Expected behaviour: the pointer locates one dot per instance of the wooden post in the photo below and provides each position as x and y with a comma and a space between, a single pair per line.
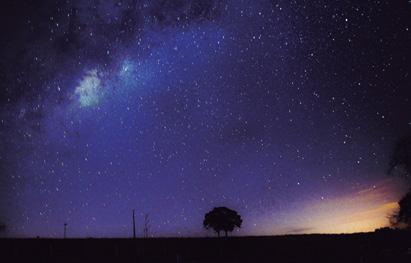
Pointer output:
134, 226
65, 230
146, 229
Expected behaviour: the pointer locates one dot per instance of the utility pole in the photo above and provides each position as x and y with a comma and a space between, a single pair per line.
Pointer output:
65, 230
134, 226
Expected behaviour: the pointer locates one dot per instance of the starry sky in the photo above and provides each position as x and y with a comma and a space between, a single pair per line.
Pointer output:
285, 111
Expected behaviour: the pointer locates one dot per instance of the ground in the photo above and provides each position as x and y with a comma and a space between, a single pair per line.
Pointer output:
368, 247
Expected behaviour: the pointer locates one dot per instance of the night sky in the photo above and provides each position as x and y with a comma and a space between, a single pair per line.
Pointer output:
285, 111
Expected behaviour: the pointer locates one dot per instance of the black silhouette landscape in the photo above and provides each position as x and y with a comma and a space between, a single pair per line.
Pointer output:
367, 247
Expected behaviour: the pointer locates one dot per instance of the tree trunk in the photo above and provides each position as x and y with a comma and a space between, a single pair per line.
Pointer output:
226, 233
218, 233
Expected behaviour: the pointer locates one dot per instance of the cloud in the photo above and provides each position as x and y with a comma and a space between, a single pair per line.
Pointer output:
299, 230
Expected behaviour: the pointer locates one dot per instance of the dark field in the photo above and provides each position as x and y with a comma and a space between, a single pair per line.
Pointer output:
368, 247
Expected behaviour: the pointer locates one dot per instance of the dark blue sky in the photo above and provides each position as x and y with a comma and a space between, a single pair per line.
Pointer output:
285, 111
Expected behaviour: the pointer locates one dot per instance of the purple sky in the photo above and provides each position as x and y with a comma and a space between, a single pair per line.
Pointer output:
285, 111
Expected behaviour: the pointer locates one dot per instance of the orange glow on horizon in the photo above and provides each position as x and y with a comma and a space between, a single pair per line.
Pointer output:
366, 219
361, 211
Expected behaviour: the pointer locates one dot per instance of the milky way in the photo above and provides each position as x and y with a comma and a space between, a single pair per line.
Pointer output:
285, 111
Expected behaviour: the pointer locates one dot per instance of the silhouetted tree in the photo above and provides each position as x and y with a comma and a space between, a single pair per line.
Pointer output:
2, 227
222, 219
400, 161
402, 218
400, 164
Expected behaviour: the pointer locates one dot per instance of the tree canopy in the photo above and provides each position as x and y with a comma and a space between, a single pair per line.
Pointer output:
402, 218
222, 219
400, 161
400, 164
